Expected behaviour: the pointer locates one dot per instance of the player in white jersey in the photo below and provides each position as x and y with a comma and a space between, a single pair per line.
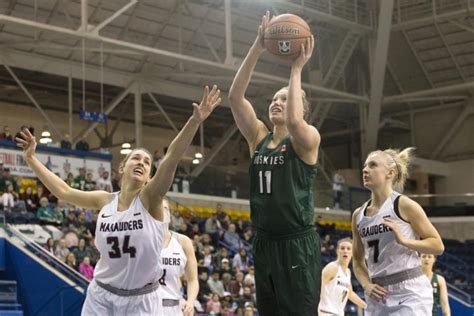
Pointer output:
336, 287
177, 259
130, 227
388, 232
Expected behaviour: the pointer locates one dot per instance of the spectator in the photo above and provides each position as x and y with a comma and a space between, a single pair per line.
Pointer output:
6, 135
326, 245
80, 180
29, 198
225, 266
226, 279
241, 260
337, 183
194, 230
115, 181
212, 227
46, 214
82, 229
66, 142
70, 180
90, 183
183, 229
91, 227
71, 261
82, 145
8, 198
222, 217
93, 252
207, 256
40, 193
204, 289
215, 284
70, 221
8, 178
49, 246
86, 269
71, 239
249, 279
104, 182
207, 241
248, 235
81, 251
220, 256
177, 221
231, 238
61, 250
213, 306
156, 161
236, 287
248, 309
61, 208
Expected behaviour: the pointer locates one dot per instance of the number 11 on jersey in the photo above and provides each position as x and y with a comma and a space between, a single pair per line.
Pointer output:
265, 180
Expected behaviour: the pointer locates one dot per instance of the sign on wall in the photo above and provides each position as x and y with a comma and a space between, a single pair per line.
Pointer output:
59, 164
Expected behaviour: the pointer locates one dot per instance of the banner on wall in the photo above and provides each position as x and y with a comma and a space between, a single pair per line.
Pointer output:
57, 163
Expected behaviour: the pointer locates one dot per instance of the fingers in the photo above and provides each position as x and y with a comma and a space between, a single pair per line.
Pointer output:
205, 94
27, 131
21, 141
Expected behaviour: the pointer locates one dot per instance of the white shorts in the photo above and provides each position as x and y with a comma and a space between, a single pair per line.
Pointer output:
170, 311
100, 302
412, 297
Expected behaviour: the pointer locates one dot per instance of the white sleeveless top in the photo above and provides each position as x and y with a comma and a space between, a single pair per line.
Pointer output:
334, 294
173, 263
130, 244
383, 254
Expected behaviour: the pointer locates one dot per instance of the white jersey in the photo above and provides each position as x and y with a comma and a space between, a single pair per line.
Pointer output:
335, 293
130, 244
383, 254
173, 263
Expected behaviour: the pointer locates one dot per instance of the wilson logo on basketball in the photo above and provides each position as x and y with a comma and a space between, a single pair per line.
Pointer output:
283, 30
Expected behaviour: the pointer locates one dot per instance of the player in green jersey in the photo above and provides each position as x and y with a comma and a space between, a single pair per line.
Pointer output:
286, 248
440, 289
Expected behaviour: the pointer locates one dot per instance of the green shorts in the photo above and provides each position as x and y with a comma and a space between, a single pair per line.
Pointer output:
288, 273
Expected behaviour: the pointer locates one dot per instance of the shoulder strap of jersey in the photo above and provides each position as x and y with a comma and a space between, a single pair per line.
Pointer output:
264, 141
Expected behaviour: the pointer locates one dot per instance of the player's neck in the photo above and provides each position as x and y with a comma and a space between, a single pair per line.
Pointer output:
427, 271
379, 196
279, 132
344, 265
126, 197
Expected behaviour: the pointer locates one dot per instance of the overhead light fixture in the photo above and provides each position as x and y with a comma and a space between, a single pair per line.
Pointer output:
198, 155
126, 149
195, 161
45, 138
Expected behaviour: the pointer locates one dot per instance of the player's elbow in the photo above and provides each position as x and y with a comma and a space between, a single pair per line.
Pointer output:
234, 97
439, 248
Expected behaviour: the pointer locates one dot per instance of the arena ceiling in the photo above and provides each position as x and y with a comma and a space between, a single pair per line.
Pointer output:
375, 69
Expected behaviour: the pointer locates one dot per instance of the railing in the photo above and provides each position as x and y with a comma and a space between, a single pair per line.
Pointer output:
464, 296
41, 253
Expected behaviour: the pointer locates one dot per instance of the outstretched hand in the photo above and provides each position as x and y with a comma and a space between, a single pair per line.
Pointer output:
27, 142
261, 31
305, 54
210, 100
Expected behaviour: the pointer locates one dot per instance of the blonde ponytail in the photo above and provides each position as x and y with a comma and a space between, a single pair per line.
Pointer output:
400, 162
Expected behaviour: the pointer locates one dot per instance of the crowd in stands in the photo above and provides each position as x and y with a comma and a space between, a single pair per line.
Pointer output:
64, 143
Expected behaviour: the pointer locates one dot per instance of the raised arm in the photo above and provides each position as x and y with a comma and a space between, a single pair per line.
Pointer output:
251, 128
190, 275
430, 242
305, 137
153, 193
59, 188
374, 291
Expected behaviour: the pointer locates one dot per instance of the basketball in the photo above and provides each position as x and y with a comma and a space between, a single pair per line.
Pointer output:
284, 35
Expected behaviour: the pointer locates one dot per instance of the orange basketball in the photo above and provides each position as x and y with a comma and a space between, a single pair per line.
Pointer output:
284, 35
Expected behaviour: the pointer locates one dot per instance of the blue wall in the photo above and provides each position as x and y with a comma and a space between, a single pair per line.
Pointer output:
40, 292
459, 309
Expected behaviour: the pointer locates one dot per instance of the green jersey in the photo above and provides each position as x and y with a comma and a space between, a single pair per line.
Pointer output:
281, 189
